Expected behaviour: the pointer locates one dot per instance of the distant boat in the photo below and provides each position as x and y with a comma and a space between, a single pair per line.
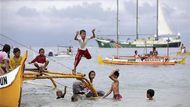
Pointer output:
159, 40
67, 52
145, 60
138, 61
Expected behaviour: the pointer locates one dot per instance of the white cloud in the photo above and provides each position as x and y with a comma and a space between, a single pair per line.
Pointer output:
57, 21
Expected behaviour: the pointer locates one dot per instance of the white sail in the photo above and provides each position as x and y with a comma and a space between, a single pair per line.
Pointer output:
163, 28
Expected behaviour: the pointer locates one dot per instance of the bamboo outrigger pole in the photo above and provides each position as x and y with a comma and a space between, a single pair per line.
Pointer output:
31, 75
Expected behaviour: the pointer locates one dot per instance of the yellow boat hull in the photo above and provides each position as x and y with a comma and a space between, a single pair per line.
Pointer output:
187, 53
11, 86
154, 61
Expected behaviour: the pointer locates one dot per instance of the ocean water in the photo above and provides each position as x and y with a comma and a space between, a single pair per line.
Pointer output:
171, 83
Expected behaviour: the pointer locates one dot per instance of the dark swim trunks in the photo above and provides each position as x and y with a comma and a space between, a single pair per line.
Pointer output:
117, 97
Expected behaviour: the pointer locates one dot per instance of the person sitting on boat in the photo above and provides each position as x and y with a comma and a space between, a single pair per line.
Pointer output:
183, 49
154, 52
4, 59
60, 94
115, 85
136, 54
82, 51
150, 94
15, 61
40, 62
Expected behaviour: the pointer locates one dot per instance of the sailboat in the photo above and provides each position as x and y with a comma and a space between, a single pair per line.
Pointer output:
159, 40
146, 60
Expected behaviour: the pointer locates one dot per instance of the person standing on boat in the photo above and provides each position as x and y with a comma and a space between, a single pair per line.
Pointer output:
136, 55
15, 61
183, 49
154, 52
82, 50
40, 62
4, 59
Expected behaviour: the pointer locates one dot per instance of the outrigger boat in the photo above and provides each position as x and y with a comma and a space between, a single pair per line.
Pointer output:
11, 86
67, 52
130, 60
159, 40
186, 53
11, 83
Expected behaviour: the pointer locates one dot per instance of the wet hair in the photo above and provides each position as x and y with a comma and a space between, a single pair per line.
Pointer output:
150, 92
41, 49
90, 74
15, 50
82, 31
116, 73
74, 98
7, 48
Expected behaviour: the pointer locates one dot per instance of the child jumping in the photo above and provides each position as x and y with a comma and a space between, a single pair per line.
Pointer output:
82, 50
115, 85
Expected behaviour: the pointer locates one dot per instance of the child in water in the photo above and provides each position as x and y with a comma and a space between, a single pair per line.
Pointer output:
115, 85
150, 94
60, 94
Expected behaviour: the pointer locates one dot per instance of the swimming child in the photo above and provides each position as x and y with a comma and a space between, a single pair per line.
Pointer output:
15, 61
115, 85
40, 62
60, 94
82, 50
150, 94
92, 75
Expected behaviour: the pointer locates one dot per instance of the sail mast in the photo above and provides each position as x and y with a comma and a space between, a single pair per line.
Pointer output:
137, 16
156, 38
117, 29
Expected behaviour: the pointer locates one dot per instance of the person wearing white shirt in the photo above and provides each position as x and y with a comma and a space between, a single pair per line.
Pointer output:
82, 50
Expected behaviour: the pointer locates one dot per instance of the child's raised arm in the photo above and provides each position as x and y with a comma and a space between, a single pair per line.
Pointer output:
77, 33
65, 90
111, 76
93, 34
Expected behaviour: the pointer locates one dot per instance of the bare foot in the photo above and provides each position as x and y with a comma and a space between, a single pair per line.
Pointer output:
74, 71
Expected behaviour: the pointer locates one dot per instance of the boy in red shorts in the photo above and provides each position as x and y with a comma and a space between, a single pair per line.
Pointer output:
82, 50
115, 85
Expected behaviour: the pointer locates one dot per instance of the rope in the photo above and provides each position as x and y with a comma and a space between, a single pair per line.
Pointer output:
34, 50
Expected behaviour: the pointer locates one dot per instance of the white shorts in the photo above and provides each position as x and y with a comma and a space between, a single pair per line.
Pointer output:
41, 64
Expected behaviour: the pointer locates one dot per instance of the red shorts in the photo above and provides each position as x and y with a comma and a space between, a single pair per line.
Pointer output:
117, 97
83, 53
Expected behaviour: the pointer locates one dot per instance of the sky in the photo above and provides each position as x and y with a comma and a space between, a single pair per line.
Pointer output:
49, 23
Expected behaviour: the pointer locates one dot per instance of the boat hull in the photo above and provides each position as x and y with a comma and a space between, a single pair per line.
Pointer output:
109, 44
134, 62
10, 95
11, 86
129, 60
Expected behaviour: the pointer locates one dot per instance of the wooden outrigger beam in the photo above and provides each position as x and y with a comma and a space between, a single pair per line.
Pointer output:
31, 75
